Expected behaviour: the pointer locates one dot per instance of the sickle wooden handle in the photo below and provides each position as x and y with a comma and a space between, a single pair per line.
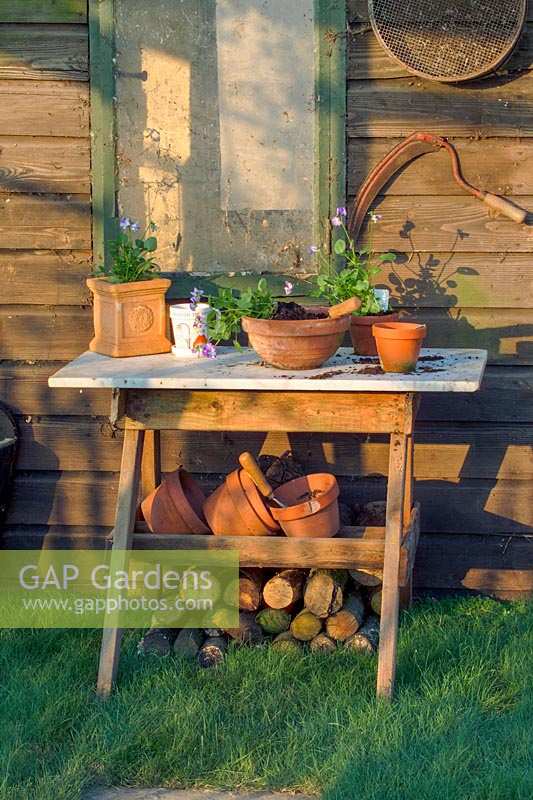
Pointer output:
250, 465
342, 309
504, 206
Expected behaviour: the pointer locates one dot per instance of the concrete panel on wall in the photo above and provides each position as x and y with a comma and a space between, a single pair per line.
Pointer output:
216, 119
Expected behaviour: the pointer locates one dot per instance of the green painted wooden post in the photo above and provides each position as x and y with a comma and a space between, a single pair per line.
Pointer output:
330, 124
103, 140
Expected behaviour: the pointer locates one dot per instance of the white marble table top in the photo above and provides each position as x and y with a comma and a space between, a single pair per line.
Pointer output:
437, 371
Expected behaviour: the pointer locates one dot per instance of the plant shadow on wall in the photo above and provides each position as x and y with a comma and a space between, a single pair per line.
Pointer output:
483, 495
423, 285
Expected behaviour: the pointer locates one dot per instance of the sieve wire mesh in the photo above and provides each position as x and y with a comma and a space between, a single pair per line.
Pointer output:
448, 40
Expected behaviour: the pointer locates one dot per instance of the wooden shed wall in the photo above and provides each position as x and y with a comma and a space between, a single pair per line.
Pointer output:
474, 463
469, 275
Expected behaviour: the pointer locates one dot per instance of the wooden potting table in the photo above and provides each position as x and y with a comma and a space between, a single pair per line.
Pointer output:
235, 392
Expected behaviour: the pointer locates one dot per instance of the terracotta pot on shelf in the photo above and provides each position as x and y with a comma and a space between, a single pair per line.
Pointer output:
230, 511
398, 345
176, 506
130, 319
296, 344
363, 341
314, 517
257, 501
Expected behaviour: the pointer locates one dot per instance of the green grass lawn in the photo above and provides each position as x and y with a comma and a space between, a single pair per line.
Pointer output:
461, 728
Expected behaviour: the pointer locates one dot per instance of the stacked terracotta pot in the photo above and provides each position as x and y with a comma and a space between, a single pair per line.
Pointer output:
236, 508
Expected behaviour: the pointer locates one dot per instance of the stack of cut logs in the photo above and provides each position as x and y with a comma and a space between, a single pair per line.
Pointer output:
289, 609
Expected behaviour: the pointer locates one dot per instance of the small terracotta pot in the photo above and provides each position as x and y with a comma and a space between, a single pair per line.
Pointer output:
363, 341
176, 506
398, 345
230, 513
296, 344
130, 319
317, 517
257, 501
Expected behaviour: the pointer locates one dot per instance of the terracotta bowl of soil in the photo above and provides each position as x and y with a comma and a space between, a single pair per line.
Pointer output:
299, 338
363, 341
230, 512
312, 507
176, 506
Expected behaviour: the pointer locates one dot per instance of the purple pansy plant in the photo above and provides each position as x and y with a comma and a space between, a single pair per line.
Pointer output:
206, 349
209, 350
195, 298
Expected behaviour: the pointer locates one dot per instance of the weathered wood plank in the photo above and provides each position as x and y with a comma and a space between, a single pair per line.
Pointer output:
390, 593
442, 451
51, 165
468, 280
496, 165
39, 222
24, 387
44, 108
127, 499
35, 333
50, 11
478, 281
44, 277
483, 563
69, 499
396, 108
471, 506
496, 565
506, 395
441, 224
365, 549
507, 334
264, 410
49, 52
65, 537
474, 506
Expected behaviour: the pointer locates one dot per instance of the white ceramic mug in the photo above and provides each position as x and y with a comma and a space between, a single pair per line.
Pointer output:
187, 326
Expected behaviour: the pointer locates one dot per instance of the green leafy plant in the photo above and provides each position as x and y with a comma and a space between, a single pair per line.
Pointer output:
229, 307
355, 278
131, 257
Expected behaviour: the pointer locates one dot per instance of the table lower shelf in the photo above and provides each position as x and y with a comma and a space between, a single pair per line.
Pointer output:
352, 548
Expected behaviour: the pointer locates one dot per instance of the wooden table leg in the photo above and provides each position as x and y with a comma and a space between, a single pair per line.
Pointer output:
406, 592
391, 567
127, 499
151, 463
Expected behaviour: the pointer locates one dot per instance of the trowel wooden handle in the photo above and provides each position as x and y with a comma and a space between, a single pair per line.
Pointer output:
250, 465
506, 207
342, 309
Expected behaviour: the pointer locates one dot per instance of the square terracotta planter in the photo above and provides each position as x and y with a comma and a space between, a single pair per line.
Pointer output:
130, 319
